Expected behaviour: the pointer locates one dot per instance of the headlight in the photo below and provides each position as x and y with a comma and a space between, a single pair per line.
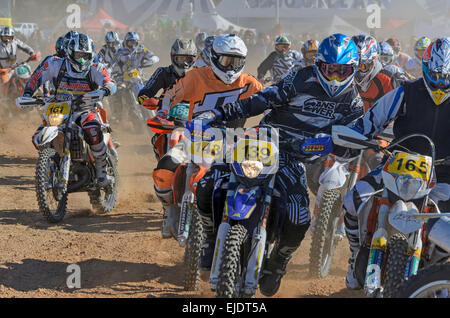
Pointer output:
252, 169
55, 119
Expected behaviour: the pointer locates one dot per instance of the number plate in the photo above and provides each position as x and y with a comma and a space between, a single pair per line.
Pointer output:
180, 111
206, 149
255, 150
406, 164
57, 108
131, 74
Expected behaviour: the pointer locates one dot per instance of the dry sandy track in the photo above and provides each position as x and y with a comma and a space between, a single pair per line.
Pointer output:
120, 254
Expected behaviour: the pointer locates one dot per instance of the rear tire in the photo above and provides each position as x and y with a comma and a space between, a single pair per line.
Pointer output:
104, 201
427, 281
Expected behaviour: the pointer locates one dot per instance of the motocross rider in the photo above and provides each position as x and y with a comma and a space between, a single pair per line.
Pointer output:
386, 57
107, 54
77, 74
205, 54
133, 55
419, 106
224, 79
371, 79
304, 104
182, 55
309, 51
414, 65
280, 61
8, 53
400, 58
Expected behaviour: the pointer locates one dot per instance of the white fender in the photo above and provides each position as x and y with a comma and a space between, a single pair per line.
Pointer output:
46, 135
401, 217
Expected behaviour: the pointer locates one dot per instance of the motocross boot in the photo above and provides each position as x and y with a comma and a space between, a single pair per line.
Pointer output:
350, 279
166, 197
274, 270
351, 230
99, 153
208, 245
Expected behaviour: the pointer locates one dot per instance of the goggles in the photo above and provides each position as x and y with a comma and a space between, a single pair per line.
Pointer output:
438, 80
309, 55
82, 57
282, 47
386, 59
132, 43
334, 71
7, 38
112, 44
420, 52
365, 67
231, 62
184, 59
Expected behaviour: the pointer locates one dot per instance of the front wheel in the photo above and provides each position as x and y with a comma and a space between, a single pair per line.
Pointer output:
430, 282
104, 200
324, 240
397, 259
52, 201
230, 272
192, 252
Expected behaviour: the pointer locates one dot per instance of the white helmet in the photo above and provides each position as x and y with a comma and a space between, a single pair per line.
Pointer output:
228, 55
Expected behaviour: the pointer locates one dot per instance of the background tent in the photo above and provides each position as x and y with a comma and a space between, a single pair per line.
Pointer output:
101, 20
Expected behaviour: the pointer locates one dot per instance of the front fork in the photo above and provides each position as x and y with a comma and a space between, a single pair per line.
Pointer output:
376, 261
187, 204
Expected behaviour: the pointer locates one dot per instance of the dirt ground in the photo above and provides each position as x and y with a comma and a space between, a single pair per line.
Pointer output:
120, 254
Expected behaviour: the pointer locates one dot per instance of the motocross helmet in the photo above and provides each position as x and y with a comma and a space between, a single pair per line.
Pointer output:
131, 41
421, 46
282, 44
395, 44
7, 34
368, 57
206, 52
67, 37
183, 55
200, 41
309, 51
336, 63
436, 70
59, 47
112, 40
228, 54
80, 53
385, 53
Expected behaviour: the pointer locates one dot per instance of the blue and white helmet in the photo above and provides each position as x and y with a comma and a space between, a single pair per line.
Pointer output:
228, 54
436, 70
336, 63
131, 41
368, 56
385, 53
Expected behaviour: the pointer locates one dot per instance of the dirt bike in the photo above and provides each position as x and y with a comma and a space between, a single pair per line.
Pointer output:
392, 242
431, 281
14, 80
331, 181
127, 91
184, 221
65, 163
249, 216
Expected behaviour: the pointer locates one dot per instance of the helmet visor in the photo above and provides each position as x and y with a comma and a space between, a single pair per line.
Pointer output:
282, 47
333, 71
231, 62
438, 80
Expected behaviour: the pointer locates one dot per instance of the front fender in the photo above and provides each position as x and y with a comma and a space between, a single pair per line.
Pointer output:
334, 177
401, 217
46, 135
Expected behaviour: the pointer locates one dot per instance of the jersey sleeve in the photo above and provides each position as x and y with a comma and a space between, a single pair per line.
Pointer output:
384, 111
102, 78
265, 65
45, 72
270, 97
154, 84
24, 47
